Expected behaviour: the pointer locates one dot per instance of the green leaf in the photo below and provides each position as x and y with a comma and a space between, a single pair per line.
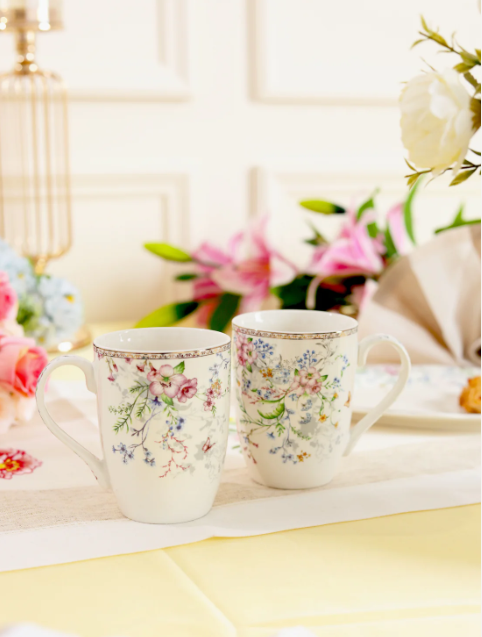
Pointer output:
322, 207
389, 244
373, 229
464, 67
475, 108
458, 221
294, 293
407, 209
224, 312
436, 37
168, 252
411, 179
462, 176
297, 373
323, 378
424, 24
186, 277
168, 314
276, 413
249, 368
469, 58
476, 152
477, 53
167, 400
180, 368
417, 42
369, 204
318, 238
410, 165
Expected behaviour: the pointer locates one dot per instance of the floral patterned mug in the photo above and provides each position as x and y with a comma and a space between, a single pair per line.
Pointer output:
163, 398
294, 374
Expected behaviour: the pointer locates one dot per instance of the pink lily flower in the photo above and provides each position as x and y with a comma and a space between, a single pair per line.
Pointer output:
354, 252
253, 277
397, 229
208, 259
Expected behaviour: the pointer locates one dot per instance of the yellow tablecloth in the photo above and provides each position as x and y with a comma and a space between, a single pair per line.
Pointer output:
411, 574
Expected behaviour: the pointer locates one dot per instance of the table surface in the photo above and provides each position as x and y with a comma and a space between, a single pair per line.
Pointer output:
414, 573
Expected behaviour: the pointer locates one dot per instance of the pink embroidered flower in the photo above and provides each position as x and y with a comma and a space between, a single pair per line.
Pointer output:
16, 462
208, 405
187, 390
8, 299
111, 378
307, 380
21, 363
141, 367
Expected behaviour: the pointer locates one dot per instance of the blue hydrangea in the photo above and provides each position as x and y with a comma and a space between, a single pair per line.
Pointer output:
18, 269
50, 308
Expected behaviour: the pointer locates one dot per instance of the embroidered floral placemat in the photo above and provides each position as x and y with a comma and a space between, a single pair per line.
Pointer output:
52, 510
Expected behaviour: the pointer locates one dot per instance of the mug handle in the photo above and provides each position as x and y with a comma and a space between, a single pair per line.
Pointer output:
97, 466
370, 419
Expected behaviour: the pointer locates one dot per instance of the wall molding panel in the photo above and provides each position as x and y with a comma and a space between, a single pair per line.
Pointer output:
173, 34
114, 215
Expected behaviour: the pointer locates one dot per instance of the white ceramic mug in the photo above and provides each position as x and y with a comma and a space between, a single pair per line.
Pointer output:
163, 398
294, 375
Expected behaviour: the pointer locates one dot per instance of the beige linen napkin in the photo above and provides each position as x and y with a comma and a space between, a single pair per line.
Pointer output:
430, 301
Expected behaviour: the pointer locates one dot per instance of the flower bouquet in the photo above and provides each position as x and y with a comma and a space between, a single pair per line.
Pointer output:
339, 275
21, 362
49, 308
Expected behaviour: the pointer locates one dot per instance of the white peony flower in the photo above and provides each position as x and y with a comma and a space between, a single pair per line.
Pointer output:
436, 121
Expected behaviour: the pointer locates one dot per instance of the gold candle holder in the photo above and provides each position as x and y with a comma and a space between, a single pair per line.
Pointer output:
35, 192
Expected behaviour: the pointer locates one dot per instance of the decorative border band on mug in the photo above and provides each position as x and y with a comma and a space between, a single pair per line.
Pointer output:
295, 336
161, 355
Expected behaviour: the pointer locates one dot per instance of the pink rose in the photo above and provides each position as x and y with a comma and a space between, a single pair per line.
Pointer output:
8, 298
187, 390
21, 363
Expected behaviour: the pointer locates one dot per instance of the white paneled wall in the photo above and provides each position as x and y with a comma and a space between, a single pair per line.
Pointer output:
189, 116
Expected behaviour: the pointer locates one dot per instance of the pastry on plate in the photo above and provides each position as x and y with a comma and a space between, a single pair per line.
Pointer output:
470, 396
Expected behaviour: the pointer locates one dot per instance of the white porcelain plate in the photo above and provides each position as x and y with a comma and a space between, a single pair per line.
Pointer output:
430, 399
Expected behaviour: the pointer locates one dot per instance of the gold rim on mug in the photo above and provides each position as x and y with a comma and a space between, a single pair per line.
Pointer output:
101, 352
295, 336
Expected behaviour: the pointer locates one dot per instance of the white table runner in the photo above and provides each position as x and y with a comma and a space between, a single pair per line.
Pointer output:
58, 514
